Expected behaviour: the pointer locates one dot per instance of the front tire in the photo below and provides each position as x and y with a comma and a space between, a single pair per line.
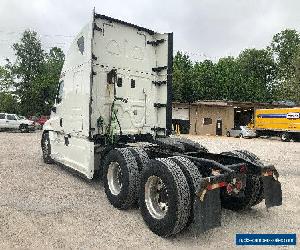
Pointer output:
121, 178
24, 128
165, 200
46, 148
228, 134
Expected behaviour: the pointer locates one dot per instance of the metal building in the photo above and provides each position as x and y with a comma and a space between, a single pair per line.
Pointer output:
214, 117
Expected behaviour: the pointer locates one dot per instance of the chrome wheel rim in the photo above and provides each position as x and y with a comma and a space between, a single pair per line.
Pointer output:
156, 197
114, 176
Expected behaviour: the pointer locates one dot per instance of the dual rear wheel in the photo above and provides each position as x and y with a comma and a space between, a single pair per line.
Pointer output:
287, 137
163, 188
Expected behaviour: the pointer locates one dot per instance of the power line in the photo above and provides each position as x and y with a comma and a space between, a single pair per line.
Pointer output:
46, 35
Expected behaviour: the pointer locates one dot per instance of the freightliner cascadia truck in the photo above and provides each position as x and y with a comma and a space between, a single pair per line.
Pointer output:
113, 117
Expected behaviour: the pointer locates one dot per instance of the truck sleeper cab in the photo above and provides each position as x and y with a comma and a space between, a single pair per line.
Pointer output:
113, 115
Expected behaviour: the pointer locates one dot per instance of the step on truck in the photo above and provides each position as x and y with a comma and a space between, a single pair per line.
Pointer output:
113, 117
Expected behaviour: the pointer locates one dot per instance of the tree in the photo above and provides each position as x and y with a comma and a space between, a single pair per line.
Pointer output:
296, 90
28, 66
30, 59
45, 85
228, 78
249, 77
290, 88
257, 74
8, 103
285, 46
6, 77
205, 81
37, 74
183, 85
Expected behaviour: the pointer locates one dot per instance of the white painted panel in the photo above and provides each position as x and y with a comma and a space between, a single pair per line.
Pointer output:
126, 50
78, 154
180, 113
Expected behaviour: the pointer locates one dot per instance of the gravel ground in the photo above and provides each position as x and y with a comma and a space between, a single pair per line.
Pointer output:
46, 206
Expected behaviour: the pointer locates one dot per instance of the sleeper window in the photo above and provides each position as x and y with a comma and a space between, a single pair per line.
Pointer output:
132, 83
119, 82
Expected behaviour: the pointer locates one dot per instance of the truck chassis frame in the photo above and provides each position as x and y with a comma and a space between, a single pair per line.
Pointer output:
135, 171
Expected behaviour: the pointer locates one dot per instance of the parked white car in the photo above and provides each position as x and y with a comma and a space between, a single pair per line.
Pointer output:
14, 122
241, 131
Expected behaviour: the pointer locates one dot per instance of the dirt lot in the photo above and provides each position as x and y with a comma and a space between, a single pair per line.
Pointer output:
45, 206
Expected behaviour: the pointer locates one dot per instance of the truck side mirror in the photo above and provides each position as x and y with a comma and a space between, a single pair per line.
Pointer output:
53, 109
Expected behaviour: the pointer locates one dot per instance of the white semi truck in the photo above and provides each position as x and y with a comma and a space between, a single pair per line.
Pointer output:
113, 116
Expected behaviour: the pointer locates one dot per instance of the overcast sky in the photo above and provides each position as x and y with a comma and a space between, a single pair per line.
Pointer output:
202, 28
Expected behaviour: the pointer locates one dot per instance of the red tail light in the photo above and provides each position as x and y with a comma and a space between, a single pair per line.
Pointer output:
229, 188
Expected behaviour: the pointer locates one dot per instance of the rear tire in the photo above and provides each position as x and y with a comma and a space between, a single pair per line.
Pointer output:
181, 144
191, 146
165, 206
141, 157
285, 137
228, 134
121, 178
193, 178
254, 192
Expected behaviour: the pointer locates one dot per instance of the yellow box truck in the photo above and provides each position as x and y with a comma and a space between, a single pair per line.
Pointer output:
283, 122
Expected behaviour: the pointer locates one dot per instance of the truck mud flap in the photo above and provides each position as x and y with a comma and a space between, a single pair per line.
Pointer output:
207, 213
272, 191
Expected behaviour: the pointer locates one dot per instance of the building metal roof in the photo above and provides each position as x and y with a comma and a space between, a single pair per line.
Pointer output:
235, 104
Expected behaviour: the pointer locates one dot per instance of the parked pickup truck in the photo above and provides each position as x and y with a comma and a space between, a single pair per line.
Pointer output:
14, 122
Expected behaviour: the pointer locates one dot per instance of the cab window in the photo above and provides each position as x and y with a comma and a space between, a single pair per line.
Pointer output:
2, 116
60, 91
11, 117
